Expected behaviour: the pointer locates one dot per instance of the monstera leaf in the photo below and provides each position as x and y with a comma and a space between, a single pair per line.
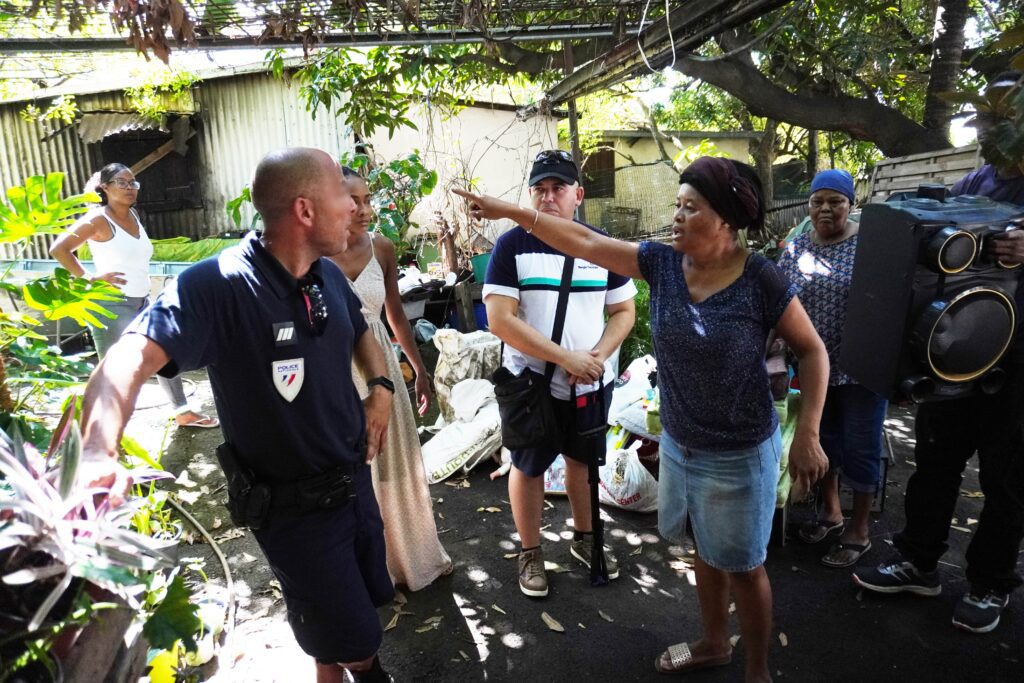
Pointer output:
63, 295
36, 208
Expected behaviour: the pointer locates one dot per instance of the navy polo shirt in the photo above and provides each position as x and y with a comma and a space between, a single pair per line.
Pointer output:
284, 396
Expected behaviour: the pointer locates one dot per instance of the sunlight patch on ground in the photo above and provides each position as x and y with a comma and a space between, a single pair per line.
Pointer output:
473, 616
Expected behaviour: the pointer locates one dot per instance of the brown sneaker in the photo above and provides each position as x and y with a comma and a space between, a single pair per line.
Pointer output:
532, 579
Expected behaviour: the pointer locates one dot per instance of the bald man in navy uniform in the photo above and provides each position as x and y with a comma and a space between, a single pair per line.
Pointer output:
278, 327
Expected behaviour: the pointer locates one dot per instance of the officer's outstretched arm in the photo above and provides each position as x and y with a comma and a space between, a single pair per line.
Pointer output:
108, 404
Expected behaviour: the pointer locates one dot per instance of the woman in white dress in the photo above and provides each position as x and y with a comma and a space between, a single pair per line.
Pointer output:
414, 552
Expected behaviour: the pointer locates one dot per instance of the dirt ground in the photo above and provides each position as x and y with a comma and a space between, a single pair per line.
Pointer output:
476, 626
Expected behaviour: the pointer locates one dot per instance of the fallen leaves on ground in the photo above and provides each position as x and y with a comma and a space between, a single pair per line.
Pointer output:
960, 528
498, 609
552, 622
230, 534
784, 639
509, 556
638, 550
458, 483
430, 624
216, 523
971, 494
733, 640
488, 509
604, 615
550, 566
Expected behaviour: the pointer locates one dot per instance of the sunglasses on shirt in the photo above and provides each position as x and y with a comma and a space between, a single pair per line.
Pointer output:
316, 307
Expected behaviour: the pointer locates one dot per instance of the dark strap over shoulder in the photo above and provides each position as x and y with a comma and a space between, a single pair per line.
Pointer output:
560, 308
565, 284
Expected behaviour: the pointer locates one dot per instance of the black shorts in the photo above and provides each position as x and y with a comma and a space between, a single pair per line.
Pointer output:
588, 413
333, 573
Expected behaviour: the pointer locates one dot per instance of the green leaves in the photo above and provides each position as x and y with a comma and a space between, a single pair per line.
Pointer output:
376, 88
395, 189
36, 208
63, 295
234, 208
175, 619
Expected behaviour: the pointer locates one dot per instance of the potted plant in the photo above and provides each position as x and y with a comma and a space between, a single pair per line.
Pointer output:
63, 557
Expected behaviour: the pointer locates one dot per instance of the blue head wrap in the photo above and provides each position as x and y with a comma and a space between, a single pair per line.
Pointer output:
834, 179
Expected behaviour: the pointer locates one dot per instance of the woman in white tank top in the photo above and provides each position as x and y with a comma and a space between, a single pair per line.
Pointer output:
121, 252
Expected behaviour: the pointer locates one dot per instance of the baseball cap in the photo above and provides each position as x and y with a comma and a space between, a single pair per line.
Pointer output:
554, 163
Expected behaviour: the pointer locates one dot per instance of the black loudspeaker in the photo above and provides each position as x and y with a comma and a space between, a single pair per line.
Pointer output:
930, 313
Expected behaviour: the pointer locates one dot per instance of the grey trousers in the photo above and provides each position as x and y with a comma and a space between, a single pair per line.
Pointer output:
104, 338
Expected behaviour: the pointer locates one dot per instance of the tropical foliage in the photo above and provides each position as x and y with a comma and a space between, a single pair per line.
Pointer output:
59, 549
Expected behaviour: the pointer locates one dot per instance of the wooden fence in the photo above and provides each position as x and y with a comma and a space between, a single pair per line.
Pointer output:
904, 174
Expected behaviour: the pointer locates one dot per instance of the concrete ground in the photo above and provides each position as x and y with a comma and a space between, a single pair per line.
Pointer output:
476, 626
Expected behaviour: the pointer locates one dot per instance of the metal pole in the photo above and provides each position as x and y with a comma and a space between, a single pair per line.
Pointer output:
574, 131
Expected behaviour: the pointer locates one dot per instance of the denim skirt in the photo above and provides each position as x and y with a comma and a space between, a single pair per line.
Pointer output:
728, 496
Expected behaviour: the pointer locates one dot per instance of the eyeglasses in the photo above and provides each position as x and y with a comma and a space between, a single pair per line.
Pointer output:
316, 308
125, 184
551, 156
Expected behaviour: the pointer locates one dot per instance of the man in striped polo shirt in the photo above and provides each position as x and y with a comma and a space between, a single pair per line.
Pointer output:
521, 295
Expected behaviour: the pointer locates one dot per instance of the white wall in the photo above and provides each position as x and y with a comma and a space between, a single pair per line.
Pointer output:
491, 147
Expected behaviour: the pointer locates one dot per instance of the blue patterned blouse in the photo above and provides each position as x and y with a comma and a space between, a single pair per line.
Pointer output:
822, 274
711, 372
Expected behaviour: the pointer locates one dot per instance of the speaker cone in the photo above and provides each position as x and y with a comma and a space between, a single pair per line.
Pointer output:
963, 337
951, 250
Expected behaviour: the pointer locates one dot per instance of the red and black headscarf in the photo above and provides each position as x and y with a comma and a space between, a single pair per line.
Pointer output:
731, 187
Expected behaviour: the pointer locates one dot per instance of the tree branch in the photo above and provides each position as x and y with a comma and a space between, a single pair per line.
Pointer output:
861, 119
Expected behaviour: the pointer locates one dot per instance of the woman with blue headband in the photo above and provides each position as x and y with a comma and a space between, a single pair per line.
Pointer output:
820, 264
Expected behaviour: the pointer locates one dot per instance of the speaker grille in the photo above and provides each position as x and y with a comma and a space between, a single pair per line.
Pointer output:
958, 252
967, 335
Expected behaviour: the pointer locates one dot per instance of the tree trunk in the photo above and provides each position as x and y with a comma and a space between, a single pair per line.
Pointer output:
812, 153
6, 401
763, 151
947, 52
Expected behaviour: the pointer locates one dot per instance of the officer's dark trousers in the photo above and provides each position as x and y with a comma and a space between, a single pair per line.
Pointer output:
948, 433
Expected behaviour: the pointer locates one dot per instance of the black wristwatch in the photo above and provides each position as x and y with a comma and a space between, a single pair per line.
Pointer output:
381, 382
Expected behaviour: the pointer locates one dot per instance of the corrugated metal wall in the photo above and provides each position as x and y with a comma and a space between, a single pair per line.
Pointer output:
239, 119
243, 118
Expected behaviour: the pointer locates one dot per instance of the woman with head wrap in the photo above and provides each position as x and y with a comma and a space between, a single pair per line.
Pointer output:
820, 264
713, 304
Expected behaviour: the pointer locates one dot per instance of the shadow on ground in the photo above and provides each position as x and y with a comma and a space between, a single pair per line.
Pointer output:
475, 625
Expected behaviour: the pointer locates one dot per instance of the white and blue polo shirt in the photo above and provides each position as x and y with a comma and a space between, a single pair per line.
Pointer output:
528, 270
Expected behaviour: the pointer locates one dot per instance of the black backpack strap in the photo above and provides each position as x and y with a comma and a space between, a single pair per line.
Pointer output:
560, 308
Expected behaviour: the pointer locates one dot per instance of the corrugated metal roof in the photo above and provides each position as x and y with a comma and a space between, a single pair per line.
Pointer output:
95, 127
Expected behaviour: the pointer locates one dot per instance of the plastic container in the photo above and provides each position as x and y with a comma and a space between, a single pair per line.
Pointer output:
480, 262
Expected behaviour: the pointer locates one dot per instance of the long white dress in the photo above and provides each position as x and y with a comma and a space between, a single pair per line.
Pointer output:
414, 552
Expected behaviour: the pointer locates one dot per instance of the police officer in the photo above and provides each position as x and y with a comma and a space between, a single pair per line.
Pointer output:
278, 327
